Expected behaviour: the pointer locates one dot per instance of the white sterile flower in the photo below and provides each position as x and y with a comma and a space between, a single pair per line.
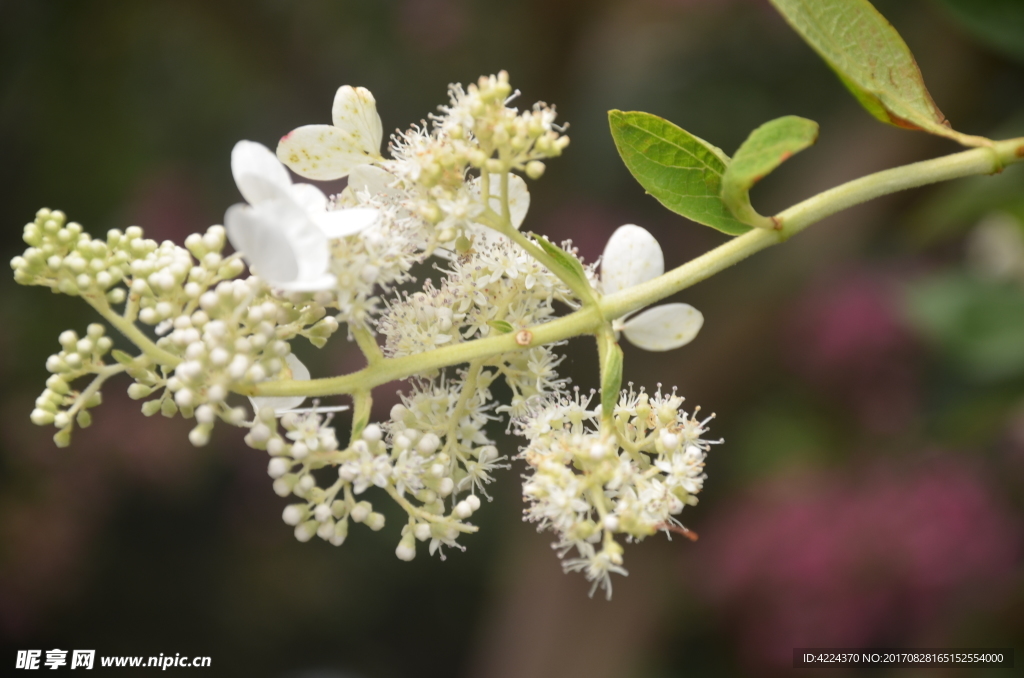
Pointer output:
284, 230
518, 197
261, 177
631, 257
373, 180
299, 372
281, 244
326, 152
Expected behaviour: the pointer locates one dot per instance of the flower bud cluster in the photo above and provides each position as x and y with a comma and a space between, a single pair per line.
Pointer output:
169, 280
308, 443
630, 477
239, 335
224, 333
64, 258
478, 132
496, 137
59, 404
410, 458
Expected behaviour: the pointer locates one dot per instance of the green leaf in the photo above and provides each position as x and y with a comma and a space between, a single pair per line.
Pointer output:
766, 148
611, 378
563, 259
500, 325
683, 172
871, 59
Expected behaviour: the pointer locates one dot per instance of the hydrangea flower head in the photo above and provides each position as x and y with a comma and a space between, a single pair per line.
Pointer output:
631, 257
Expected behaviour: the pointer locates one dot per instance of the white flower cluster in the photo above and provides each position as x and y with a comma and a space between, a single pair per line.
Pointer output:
476, 131
451, 189
589, 482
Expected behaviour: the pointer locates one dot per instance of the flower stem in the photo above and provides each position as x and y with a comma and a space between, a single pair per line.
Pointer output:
588, 320
94, 387
367, 343
131, 331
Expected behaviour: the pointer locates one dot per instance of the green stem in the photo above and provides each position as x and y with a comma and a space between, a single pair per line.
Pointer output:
584, 321
791, 221
502, 223
582, 290
425, 516
589, 319
506, 210
93, 387
367, 343
362, 403
610, 358
131, 331
467, 391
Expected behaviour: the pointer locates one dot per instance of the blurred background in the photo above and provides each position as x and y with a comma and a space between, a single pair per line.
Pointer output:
868, 376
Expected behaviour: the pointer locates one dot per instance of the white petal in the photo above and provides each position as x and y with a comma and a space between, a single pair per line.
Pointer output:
279, 240
263, 245
308, 197
373, 180
344, 222
321, 152
282, 404
257, 172
321, 409
664, 328
632, 256
355, 113
518, 197
318, 283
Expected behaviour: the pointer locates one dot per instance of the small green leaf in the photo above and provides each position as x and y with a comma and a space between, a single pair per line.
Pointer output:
871, 59
566, 261
766, 148
359, 426
122, 357
500, 325
611, 378
683, 172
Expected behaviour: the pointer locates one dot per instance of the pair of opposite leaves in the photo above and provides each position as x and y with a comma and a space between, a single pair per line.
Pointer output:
697, 180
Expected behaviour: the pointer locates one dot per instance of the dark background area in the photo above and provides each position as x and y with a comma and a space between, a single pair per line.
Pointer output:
868, 376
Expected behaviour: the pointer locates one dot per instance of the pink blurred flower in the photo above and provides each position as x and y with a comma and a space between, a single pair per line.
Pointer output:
848, 340
880, 558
